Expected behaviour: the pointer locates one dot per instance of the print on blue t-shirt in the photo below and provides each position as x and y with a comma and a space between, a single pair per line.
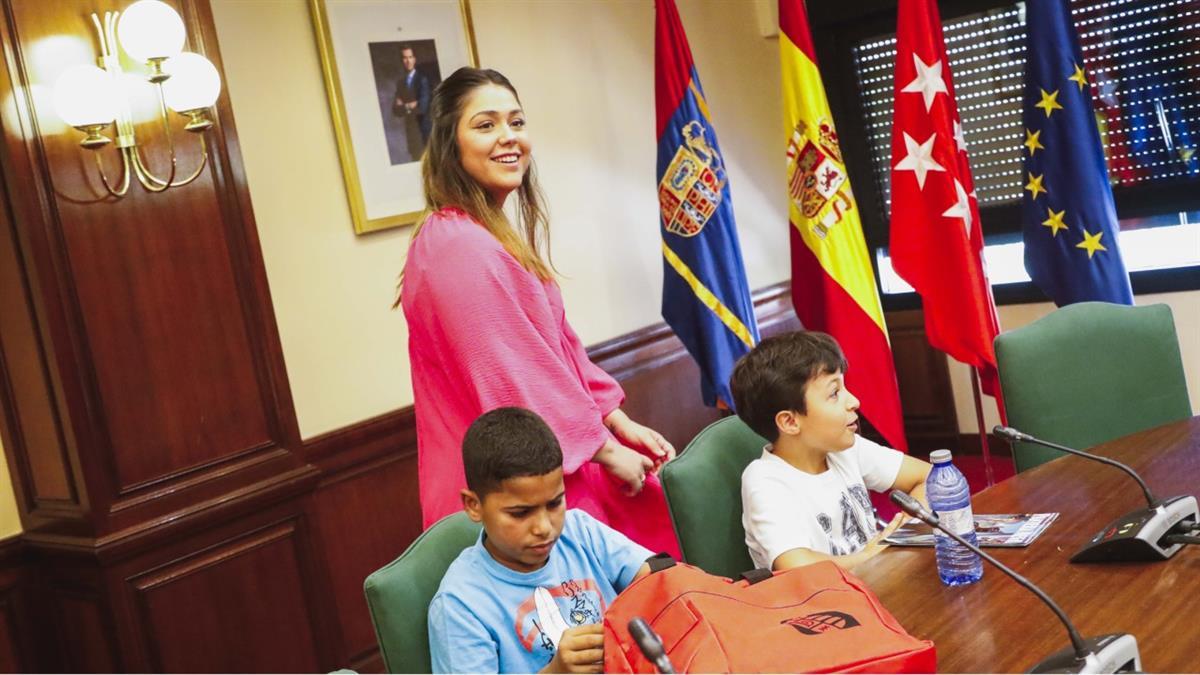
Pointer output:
484, 617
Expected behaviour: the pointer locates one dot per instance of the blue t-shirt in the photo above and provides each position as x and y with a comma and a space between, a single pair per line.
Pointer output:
484, 617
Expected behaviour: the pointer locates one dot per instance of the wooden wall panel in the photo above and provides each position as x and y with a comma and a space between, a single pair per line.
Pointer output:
31, 412
242, 606
930, 419
365, 518
84, 627
17, 630
157, 381
156, 295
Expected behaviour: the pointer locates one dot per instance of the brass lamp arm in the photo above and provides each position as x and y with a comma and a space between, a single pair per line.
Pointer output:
124, 175
148, 180
132, 161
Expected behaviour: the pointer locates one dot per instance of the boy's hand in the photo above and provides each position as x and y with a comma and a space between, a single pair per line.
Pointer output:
580, 650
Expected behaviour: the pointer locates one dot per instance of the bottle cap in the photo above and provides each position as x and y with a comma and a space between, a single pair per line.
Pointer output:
939, 456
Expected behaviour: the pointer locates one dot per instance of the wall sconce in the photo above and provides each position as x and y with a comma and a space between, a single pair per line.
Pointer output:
91, 98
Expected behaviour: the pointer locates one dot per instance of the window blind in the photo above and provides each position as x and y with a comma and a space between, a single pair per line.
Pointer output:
1143, 62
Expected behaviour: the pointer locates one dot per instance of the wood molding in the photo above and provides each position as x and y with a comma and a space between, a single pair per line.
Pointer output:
652, 346
392, 433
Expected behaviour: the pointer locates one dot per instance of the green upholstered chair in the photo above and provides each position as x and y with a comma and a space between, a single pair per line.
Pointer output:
703, 487
398, 594
1091, 372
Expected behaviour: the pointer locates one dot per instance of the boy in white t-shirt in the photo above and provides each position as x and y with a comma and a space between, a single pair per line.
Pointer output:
805, 500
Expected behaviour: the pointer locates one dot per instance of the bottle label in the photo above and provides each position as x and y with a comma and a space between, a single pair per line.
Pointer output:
958, 521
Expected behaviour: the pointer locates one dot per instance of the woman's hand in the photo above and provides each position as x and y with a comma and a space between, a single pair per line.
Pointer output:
625, 464
640, 437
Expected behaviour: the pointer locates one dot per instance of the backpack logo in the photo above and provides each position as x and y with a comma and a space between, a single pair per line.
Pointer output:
822, 622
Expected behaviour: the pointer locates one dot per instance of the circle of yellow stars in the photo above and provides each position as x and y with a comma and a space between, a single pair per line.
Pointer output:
1055, 219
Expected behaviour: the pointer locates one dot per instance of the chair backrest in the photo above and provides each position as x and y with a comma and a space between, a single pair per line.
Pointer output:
703, 487
1091, 372
398, 594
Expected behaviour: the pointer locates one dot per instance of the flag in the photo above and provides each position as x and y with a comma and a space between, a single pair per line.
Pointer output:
706, 299
936, 240
833, 284
1070, 223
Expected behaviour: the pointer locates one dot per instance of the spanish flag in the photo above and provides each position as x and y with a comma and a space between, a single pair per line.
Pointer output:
833, 285
706, 299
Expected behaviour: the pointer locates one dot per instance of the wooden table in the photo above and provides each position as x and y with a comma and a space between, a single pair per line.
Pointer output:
997, 625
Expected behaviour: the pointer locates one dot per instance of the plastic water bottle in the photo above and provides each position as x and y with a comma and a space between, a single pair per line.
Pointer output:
950, 497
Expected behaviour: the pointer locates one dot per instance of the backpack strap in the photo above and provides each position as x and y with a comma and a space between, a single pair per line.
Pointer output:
660, 561
756, 575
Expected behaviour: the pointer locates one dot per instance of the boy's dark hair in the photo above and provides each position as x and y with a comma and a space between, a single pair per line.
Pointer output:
507, 443
775, 375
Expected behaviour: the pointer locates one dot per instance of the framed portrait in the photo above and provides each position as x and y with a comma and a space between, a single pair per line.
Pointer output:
382, 59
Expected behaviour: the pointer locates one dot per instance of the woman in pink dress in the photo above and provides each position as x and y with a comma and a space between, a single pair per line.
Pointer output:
487, 327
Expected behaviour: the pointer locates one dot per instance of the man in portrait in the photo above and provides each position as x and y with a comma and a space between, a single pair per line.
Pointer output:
412, 102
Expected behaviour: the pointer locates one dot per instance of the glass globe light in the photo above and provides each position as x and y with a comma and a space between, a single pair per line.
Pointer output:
83, 96
194, 83
150, 29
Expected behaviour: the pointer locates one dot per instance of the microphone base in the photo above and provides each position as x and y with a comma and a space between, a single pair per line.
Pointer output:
1112, 653
1137, 536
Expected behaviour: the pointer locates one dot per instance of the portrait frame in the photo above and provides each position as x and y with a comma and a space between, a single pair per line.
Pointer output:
358, 42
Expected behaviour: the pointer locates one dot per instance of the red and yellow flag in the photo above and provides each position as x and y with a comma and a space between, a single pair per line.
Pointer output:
833, 284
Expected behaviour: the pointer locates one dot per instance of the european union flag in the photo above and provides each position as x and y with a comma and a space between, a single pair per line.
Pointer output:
1071, 225
706, 299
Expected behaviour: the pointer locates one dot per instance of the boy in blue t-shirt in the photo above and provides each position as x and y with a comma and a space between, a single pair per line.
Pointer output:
530, 595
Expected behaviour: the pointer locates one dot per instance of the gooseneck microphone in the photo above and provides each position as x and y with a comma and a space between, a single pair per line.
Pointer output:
1112, 653
1156, 532
651, 644
1011, 434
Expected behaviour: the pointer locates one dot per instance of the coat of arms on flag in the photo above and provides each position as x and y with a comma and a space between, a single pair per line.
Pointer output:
691, 186
817, 177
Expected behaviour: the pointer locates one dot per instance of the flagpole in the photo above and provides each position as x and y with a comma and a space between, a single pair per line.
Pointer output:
983, 442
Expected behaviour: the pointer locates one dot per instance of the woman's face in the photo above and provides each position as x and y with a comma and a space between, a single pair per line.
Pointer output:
492, 142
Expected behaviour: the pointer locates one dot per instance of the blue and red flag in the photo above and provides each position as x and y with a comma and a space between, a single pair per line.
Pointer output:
1071, 227
706, 299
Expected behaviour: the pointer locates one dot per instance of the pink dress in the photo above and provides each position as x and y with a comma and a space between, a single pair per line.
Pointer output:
486, 333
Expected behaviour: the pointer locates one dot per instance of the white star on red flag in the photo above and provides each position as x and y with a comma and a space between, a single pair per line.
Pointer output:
928, 83
919, 159
960, 141
961, 208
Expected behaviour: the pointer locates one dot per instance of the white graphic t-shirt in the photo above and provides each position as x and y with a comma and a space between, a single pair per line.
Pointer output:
785, 508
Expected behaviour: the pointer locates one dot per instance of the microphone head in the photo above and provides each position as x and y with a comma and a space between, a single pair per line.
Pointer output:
905, 501
645, 637
911, 506
1009, 433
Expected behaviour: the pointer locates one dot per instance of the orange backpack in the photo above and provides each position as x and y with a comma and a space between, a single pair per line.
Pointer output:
814, 619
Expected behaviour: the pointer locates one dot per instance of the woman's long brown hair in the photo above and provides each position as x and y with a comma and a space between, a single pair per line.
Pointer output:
447, 184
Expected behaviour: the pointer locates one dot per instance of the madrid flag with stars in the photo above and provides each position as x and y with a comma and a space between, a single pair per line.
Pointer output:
936, 238
833, 285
